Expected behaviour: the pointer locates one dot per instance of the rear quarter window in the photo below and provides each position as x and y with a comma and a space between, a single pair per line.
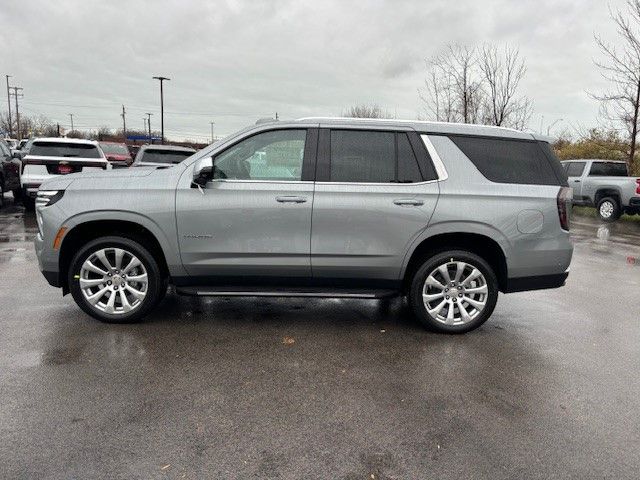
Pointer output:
511, 161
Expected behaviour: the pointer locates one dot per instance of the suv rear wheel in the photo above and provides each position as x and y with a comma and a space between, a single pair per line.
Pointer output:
454, 291
609, 209
115, 280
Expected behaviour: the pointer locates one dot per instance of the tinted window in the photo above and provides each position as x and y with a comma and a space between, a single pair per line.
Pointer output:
408, 171
115, 148
164, 156
55, 149
608, 169
508, 161
575, 169
364, 157
275, 155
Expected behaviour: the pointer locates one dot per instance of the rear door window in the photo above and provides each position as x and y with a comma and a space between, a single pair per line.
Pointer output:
608, 169
362, 156
508, 160
575, 169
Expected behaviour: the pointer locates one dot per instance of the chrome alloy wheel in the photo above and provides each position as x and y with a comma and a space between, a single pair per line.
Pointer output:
113, 281
455, 293
606, 209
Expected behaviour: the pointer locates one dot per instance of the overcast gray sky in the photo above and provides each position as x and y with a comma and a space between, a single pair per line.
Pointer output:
233, 62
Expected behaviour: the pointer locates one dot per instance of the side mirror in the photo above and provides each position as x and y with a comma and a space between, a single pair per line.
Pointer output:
202, 172
16, 154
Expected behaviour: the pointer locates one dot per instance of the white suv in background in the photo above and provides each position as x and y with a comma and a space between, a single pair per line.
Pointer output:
49, 157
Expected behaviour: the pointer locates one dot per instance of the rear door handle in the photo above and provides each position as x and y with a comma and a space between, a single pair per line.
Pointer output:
576, 181
291, 199
408, 201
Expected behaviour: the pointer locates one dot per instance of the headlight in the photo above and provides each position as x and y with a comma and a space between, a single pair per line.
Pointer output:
45, 198
48, 197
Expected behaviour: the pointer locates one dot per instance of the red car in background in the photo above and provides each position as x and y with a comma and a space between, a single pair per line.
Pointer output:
117, 154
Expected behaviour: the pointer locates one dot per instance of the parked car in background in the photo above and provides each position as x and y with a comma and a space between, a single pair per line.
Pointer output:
604, 184
9, 172
23, 147
117, 154
51, 157
12, 143
161, 155
445, 214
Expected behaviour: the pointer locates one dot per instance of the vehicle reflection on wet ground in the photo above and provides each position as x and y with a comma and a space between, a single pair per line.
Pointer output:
224, 388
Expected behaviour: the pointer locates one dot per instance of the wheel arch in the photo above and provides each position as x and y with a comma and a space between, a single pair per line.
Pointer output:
607, 192
480, 243
90, 229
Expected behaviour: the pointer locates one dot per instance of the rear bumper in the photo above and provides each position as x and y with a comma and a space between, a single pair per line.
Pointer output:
523, 284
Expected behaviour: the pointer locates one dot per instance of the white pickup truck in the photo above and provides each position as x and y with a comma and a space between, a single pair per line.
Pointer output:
604, 184
48, 157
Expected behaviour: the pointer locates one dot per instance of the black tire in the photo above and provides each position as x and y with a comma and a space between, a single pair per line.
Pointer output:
28, 202
432, 263
17, 195
609, 204
156, 287
1, 192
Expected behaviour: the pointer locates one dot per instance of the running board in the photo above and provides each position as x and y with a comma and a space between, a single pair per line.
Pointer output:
207, 291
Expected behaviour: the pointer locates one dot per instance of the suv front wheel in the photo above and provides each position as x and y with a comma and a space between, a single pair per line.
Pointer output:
115, 280
453, 292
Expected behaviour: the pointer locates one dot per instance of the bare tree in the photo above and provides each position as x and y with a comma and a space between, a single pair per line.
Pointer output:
621, 67
503, 71
472, 85
453, 92
366, 111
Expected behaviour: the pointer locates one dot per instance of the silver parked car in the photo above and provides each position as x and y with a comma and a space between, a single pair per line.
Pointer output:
445, 214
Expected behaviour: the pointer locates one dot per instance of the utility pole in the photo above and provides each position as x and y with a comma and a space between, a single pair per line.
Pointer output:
276, 115
9, 105
144, 119
124, 123
149, 125
16, 94
71, 116
161, 79
212, 124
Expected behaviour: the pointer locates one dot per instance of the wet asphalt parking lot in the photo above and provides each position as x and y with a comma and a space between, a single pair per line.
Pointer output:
549, 387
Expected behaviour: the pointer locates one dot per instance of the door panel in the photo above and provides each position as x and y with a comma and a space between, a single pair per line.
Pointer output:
363, 231
240, 228
253, 219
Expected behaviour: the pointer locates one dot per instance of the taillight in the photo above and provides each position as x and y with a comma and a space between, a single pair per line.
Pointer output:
564, 198
638, 187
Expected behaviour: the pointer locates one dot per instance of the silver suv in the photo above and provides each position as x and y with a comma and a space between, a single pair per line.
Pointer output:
445, 214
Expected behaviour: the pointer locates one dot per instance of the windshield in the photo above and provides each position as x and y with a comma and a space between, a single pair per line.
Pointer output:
54, 149
115, 148
164, 156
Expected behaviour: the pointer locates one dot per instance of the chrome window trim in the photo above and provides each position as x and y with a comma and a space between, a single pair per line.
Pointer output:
435, 158
238, 180
383, 184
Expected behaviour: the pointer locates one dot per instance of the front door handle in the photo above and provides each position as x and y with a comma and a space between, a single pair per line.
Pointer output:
408, 201
576, 181
291, 199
